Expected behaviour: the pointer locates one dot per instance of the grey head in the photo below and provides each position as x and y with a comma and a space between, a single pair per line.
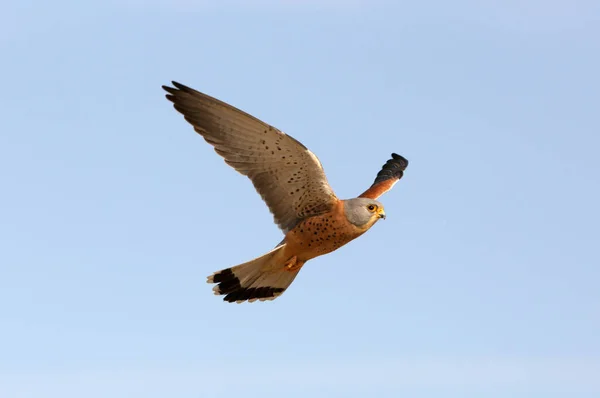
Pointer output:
363, 211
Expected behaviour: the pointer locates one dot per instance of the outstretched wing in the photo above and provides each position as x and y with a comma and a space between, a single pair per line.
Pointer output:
285, 173
389, 175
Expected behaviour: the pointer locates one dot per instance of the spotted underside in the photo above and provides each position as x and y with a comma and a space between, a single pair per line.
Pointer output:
321, 234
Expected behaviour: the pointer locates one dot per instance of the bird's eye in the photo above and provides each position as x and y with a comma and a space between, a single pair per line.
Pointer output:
371, 207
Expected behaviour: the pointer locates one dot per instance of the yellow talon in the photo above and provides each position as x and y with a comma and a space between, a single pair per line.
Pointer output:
292, 264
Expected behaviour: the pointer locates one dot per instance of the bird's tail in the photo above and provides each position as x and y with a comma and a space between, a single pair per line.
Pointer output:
264, 278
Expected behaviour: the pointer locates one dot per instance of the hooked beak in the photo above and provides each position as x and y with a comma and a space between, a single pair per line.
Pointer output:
382, 214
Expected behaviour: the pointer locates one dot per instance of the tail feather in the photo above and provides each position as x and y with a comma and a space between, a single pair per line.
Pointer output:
264, 278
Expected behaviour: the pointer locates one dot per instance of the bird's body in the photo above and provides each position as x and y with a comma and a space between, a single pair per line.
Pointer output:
292, 182
322, 234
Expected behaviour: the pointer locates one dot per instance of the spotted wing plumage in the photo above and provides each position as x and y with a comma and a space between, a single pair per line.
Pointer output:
388, 176
288, 176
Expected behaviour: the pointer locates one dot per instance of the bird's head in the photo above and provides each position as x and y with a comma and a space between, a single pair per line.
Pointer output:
363, 212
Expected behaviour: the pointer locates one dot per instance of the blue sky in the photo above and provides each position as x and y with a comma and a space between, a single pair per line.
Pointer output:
483, 280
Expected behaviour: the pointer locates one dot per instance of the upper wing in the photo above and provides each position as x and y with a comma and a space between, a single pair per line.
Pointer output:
285, 173
389, 175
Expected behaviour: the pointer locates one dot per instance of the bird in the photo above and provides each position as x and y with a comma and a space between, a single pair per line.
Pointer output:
292, 182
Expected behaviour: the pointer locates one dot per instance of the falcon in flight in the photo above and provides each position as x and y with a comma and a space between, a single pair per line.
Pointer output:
292, 182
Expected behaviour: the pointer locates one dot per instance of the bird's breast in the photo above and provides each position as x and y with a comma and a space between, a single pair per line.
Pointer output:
321, 234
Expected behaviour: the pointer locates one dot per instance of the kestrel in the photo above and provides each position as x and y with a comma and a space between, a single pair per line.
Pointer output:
292, 182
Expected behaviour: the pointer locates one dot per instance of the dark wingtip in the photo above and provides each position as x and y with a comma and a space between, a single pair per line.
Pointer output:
401, 160
177, 90
393, 168
177, 87
183, 87
171, 92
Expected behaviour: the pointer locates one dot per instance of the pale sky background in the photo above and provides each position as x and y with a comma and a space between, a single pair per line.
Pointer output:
483, 281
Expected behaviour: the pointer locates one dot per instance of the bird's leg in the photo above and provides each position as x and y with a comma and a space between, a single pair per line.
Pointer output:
292, 264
